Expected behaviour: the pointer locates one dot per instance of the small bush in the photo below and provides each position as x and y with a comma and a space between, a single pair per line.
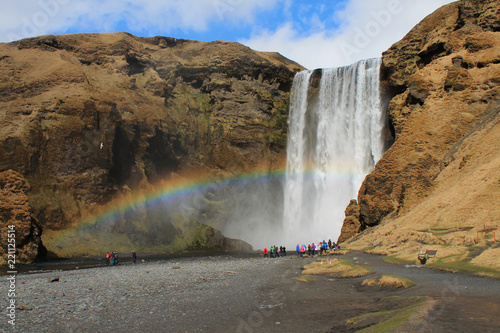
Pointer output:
357, 271
389, 281
306, 278
336, 268
370, 282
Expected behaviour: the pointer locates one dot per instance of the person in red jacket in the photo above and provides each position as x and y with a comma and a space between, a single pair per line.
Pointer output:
266, 252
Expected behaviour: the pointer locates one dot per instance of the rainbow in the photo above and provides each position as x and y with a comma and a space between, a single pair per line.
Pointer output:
173, 190
178, 188
90, 234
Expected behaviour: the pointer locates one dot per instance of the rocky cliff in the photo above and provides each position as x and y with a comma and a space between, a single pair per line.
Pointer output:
439, 183
17, 219
87, 119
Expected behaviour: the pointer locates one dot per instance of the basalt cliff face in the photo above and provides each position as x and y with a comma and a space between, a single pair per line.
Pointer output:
17, 220
90, 118
440, 181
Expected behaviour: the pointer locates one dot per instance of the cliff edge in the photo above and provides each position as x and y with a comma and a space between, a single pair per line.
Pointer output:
91, 119
439, 184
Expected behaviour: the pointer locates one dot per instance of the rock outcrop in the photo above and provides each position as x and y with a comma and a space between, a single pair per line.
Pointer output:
16, 218
442, 172
90, 118
351, 225
216, 240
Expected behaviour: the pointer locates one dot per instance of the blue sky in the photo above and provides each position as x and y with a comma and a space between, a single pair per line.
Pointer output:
316, 34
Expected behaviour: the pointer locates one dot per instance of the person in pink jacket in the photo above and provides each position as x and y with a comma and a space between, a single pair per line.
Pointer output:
302, 250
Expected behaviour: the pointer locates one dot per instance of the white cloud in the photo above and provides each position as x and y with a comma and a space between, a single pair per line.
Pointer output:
28, 18
367, 28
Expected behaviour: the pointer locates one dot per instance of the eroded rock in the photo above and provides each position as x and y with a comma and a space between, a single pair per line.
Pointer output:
15, 215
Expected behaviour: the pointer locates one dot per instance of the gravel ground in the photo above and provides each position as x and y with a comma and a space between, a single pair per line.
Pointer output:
204, 295
237, 294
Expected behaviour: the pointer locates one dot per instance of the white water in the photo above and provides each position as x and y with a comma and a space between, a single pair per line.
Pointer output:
334, 140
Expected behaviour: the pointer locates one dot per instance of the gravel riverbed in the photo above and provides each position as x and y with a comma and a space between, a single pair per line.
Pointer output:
200, 294
231, 293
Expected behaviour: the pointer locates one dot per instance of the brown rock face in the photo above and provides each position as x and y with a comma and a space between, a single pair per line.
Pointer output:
351, 225
15, 215
91, 117
443, 79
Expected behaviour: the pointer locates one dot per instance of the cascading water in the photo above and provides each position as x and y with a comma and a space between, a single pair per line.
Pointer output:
334, 140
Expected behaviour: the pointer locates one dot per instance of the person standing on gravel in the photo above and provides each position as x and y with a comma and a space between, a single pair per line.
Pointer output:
265, 252
302, 250
134, 256
298, 250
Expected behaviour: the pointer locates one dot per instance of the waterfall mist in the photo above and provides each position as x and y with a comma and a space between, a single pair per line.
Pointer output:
255, 213
335, 137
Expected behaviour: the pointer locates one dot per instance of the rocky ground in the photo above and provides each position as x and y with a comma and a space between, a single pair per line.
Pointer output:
242, 294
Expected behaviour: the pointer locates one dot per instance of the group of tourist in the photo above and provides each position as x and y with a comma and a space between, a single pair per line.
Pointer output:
311, 249
112, 258
275, 252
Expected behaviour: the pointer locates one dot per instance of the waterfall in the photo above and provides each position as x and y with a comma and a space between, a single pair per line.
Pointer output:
334, 140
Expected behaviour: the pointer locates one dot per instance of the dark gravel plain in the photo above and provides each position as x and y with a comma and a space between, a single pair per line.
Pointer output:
239, 293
